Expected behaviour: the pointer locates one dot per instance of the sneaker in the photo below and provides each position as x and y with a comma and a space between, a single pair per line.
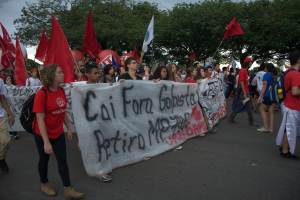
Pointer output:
11, 133
4, 166
201, 135
212, 130
48, 190
104, 178
271, 131
263, 130
178, 147
232, 121
16, 136
288, 155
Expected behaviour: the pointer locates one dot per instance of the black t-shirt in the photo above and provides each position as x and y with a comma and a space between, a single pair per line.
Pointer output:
126, 76
231, 78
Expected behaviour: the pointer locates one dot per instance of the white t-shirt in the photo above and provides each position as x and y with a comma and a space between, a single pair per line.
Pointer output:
2, 92
213, 73
259, 80
33, 82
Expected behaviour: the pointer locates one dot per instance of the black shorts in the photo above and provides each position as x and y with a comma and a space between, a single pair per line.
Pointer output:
267, 101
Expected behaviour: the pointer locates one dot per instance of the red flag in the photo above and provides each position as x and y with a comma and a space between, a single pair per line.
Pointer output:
42, 48
5, 62
8, 41
192, 56
92, 47
228, 68
20, 69
59, 50
233, 29
135, 54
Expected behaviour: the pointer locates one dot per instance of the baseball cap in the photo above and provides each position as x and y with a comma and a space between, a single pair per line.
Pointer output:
140, 70
248, 59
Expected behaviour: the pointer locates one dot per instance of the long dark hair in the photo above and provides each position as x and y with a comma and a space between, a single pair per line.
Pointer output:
157, 73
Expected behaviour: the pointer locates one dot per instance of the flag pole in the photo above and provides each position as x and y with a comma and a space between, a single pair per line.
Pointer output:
74, 60
6, 54
217, 49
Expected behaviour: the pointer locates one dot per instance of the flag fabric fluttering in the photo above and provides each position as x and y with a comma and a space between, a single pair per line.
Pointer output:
41, 51
192, 56
135, 54
4, 56
59, 50
233, 29
228, 68
92, 47
149, 35
20, 69
233, 64
9, 47
114, 62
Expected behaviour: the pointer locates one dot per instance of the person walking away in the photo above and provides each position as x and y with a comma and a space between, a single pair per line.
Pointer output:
244, 95
258, 79
267, 104
290, 108
50, 108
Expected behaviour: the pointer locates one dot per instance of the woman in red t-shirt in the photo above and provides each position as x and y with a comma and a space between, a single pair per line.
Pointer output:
191, 74
50, 107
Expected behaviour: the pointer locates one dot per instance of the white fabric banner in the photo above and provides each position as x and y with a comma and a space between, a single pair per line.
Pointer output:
16, 96
212, 100
124, 123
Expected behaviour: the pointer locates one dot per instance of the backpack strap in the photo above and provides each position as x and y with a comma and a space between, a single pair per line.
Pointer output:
75, 77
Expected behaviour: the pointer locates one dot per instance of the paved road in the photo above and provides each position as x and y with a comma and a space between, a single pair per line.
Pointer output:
236, 162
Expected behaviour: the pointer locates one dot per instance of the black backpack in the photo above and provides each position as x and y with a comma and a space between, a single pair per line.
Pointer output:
27, 116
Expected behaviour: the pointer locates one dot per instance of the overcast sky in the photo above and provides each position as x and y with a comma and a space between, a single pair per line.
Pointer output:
11, 10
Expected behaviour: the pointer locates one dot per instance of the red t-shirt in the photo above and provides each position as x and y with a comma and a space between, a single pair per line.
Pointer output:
3, 77
207, 76
71, 78
243, 76
54, 107
188, 80
292, 79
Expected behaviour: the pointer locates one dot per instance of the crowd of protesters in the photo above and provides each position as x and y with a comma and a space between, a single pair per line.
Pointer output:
244, 89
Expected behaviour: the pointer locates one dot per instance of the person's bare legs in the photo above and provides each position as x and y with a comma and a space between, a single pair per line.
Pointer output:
285, 144
263, 113
205, 119
272, 115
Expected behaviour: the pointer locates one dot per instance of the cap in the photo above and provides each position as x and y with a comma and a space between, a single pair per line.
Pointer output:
1, 69
140, 70
33, 69
248, 59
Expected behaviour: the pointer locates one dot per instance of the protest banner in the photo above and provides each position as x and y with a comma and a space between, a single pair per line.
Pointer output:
125, 123
212, 100
16, 97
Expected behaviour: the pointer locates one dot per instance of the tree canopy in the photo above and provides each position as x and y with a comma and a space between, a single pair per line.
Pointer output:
271, 27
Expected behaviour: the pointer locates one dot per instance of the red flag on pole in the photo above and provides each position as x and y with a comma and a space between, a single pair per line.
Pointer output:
192, 56
135, 54
4, 56
42, 48
92, 47
59, 50
233, 29
20, 69
8, 41
228, 68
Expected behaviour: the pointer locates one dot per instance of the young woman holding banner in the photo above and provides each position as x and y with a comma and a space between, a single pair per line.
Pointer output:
50, 107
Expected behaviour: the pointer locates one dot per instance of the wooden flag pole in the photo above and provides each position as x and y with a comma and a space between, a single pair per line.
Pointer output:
6, 54
217, 49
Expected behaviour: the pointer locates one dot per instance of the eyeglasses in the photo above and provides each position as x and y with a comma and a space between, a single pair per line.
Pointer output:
133, 63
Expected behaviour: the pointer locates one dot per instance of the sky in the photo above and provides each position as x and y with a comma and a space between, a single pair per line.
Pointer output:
11, 10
